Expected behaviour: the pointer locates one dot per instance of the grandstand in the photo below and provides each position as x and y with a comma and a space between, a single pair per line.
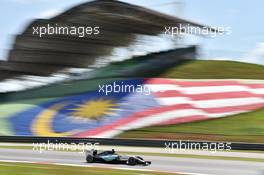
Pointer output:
35, 61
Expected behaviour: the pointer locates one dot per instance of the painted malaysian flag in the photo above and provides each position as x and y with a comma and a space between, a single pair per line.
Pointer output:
135, 103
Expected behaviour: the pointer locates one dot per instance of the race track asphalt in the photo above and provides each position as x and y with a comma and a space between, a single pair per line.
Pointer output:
159, 163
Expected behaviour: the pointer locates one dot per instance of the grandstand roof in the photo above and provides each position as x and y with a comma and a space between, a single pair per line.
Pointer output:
120, 25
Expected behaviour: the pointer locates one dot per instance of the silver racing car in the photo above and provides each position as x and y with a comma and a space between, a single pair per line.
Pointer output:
114, 158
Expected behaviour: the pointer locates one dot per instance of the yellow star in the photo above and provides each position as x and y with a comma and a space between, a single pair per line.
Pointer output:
94, 109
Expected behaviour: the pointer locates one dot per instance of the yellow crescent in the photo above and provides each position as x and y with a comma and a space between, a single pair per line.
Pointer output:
42, 125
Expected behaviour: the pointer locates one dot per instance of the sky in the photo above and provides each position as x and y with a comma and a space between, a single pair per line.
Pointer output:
245, 43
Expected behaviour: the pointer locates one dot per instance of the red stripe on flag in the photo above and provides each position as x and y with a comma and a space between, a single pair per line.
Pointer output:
170, 93
207, 83
255, 86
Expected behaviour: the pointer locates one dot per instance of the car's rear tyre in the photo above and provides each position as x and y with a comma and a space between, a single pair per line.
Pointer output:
89, 158
131, 161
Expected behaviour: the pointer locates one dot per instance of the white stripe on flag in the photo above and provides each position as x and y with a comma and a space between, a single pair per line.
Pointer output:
211, 103
257, 91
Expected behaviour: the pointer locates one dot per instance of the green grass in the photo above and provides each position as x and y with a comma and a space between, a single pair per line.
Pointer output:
216, 69
246, 127
44, 169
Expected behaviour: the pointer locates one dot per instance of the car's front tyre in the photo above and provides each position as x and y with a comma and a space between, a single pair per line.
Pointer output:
131, 161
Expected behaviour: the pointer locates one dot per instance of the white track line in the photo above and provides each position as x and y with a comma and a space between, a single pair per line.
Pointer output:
116, 168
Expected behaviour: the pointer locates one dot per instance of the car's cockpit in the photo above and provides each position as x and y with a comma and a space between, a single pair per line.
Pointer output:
104, 153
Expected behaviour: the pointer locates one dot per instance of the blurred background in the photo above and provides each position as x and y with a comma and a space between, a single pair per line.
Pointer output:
202, 89
244, 44
44, 80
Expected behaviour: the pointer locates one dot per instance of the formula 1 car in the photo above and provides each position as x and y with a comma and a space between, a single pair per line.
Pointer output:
114, 158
